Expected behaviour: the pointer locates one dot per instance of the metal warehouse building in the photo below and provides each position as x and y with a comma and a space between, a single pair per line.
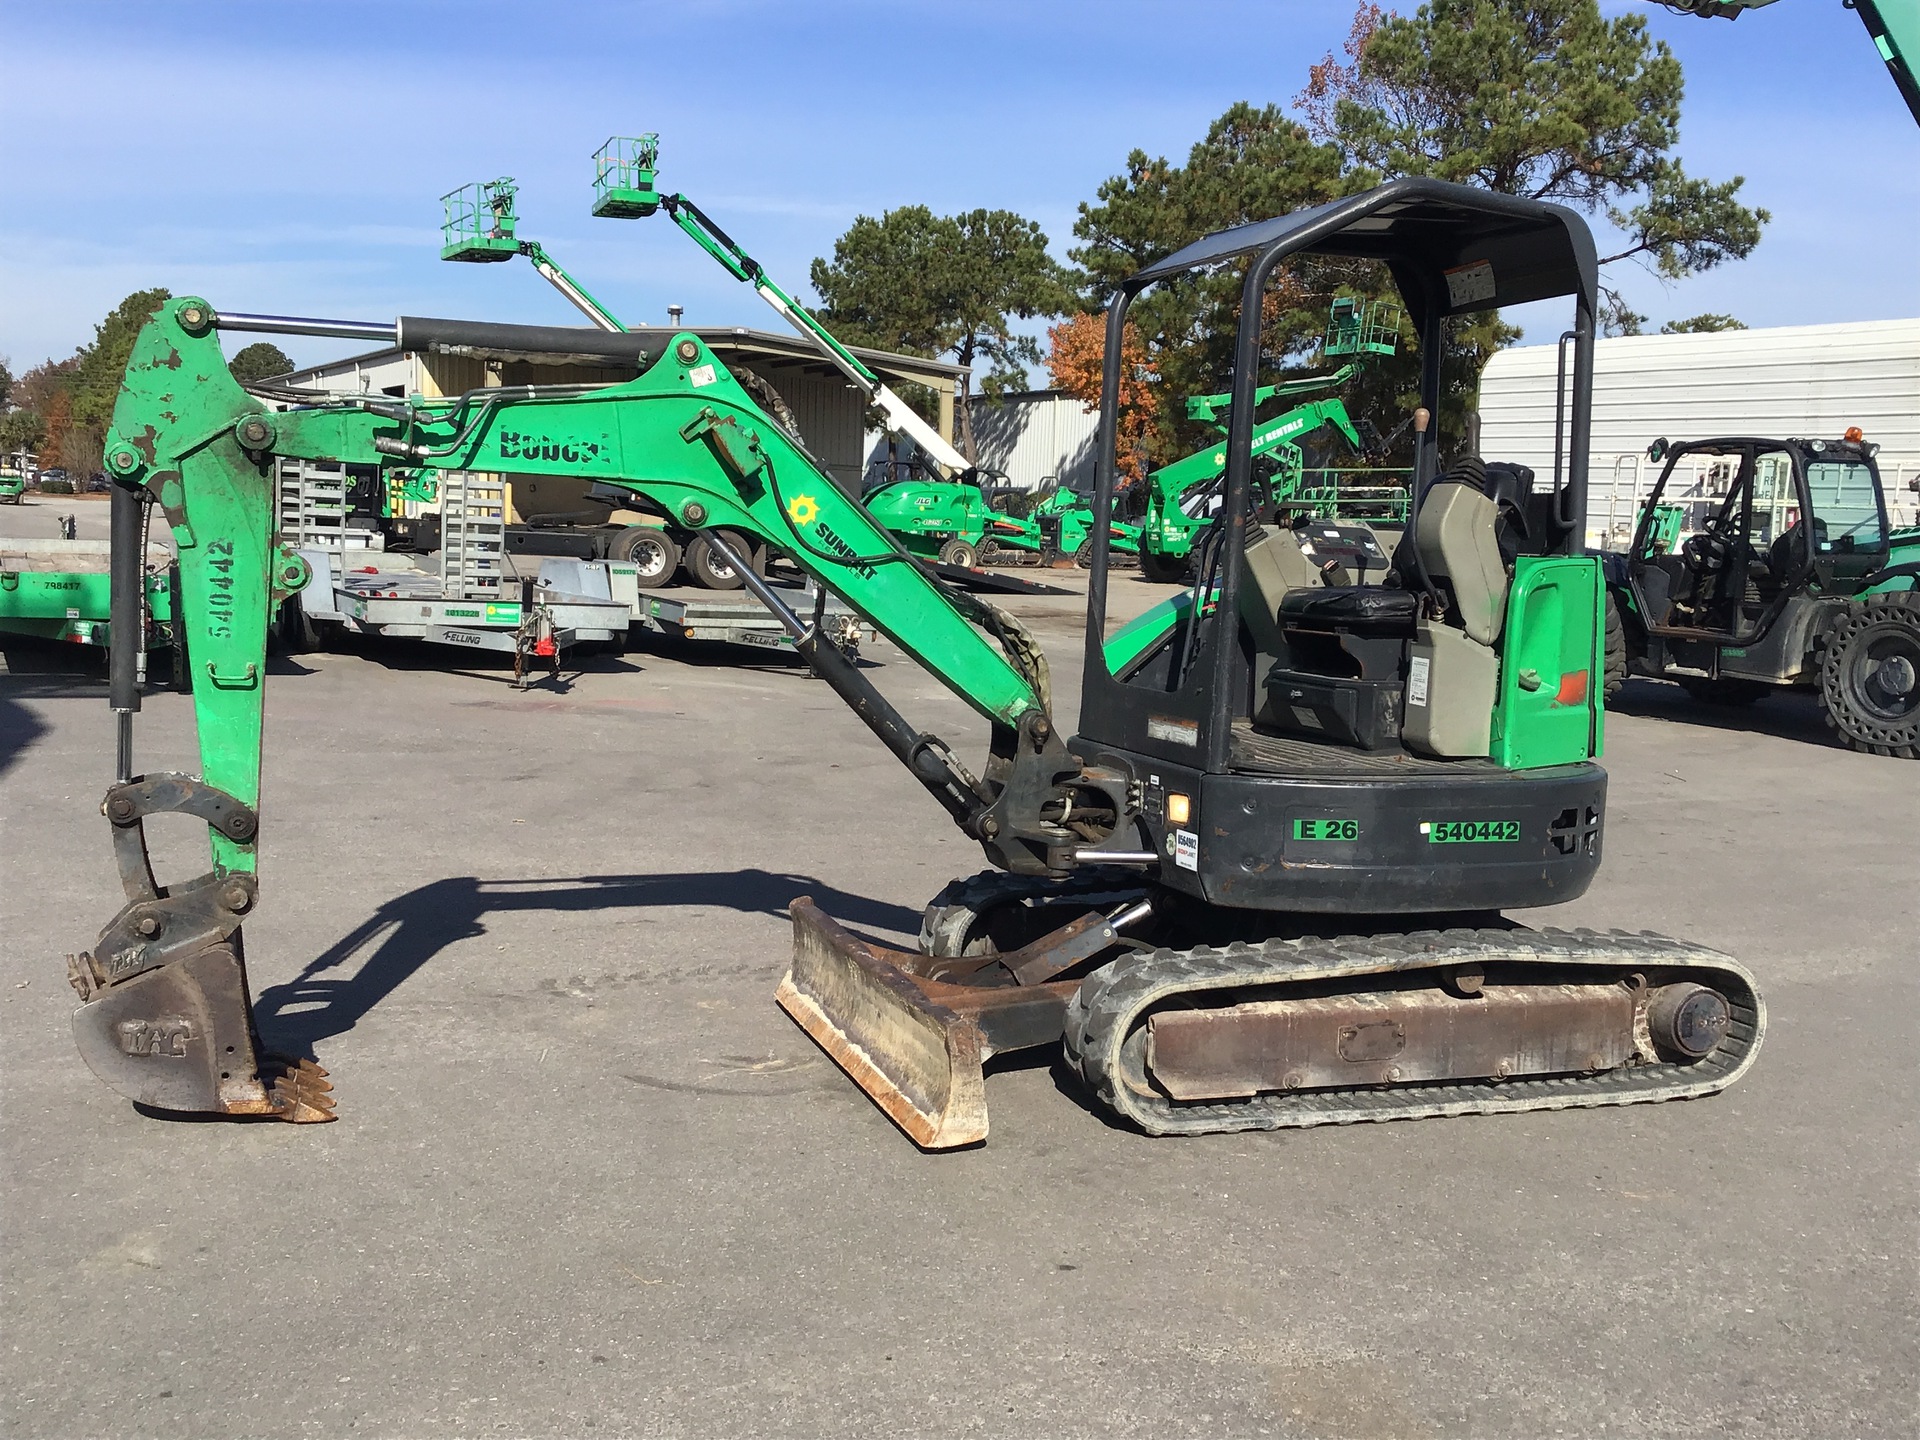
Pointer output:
1788, 381
1037, 438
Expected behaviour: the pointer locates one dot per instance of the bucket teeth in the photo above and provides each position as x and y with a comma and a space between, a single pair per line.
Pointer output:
300, 1091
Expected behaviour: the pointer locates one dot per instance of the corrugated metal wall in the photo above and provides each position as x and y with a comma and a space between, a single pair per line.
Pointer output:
1037, 437
1787, 381
830, 412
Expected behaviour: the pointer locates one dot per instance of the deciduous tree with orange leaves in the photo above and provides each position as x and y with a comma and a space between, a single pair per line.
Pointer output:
1076, 363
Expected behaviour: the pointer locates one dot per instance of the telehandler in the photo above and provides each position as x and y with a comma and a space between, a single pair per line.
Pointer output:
1793, 577
1258, 886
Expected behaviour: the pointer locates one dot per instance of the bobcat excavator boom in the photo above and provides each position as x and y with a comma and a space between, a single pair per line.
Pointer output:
1210, 794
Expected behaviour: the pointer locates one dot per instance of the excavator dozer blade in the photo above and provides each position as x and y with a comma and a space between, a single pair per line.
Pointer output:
919, 1060
181, 1038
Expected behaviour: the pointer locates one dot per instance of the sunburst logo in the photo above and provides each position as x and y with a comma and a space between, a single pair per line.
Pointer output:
803, 509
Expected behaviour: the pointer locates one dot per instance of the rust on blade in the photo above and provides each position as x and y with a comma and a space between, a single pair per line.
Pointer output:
918, 1060
914, 1031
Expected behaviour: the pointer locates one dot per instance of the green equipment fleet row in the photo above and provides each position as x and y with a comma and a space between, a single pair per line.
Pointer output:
961, 520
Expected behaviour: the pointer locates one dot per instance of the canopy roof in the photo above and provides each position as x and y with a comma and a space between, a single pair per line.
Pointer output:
1475, 249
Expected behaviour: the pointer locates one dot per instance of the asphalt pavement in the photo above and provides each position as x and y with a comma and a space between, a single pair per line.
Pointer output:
588, 1180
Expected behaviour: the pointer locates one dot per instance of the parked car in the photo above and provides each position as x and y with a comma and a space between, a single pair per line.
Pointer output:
98, 484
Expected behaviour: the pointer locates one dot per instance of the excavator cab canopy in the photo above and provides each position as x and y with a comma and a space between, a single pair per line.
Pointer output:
1467, 249
1452, 251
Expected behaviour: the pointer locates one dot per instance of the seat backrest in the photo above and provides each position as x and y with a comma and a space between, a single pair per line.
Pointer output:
1271, 565
1457, 532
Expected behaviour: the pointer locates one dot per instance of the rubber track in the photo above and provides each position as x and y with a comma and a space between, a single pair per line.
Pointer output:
1117, 997
951, 913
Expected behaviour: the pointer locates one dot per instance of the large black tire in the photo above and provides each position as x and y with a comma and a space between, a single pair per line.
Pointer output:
1165, 569
1615, 661
708, 569
1726, 691
293, 631
959, 552
653, 553
1870, 675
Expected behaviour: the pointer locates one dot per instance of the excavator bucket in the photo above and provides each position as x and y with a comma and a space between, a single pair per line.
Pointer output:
166, 1015
181, 1038
919, 1060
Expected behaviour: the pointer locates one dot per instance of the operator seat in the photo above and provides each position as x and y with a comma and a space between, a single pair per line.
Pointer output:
1458, 536
1453, 667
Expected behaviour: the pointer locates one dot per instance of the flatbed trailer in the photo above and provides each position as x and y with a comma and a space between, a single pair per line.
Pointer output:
59, 590
737, 620
566, 603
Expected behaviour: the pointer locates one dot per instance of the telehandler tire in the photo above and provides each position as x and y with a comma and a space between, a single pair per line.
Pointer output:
1614, 661
1167, 569
960, 553
1870, 675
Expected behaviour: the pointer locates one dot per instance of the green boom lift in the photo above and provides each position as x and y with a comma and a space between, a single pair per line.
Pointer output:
1178, 512
956, 521
1264, 758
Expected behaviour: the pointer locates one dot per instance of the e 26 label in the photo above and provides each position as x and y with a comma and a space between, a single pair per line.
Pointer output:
1326, 829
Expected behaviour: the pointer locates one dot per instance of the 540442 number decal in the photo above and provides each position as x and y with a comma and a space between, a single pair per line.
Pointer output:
1458, 832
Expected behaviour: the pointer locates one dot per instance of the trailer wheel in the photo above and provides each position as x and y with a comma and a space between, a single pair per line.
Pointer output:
1614, 656
710, 570
651, 551
1870, 675
294, 633
959, 552
1164, 569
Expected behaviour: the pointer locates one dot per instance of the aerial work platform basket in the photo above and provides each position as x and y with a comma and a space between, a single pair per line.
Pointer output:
479, 222
623, 171
1362, 327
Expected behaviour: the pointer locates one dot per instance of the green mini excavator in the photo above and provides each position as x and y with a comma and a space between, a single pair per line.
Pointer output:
1260, 884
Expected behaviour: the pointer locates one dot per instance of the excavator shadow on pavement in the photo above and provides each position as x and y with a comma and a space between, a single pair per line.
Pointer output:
327, 999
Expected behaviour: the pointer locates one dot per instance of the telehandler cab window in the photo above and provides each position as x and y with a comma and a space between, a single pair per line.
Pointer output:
1847, 504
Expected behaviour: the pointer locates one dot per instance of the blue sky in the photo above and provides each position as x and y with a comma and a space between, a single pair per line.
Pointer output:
288, 158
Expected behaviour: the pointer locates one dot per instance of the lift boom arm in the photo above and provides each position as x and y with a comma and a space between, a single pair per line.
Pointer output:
742, 266
555, 275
